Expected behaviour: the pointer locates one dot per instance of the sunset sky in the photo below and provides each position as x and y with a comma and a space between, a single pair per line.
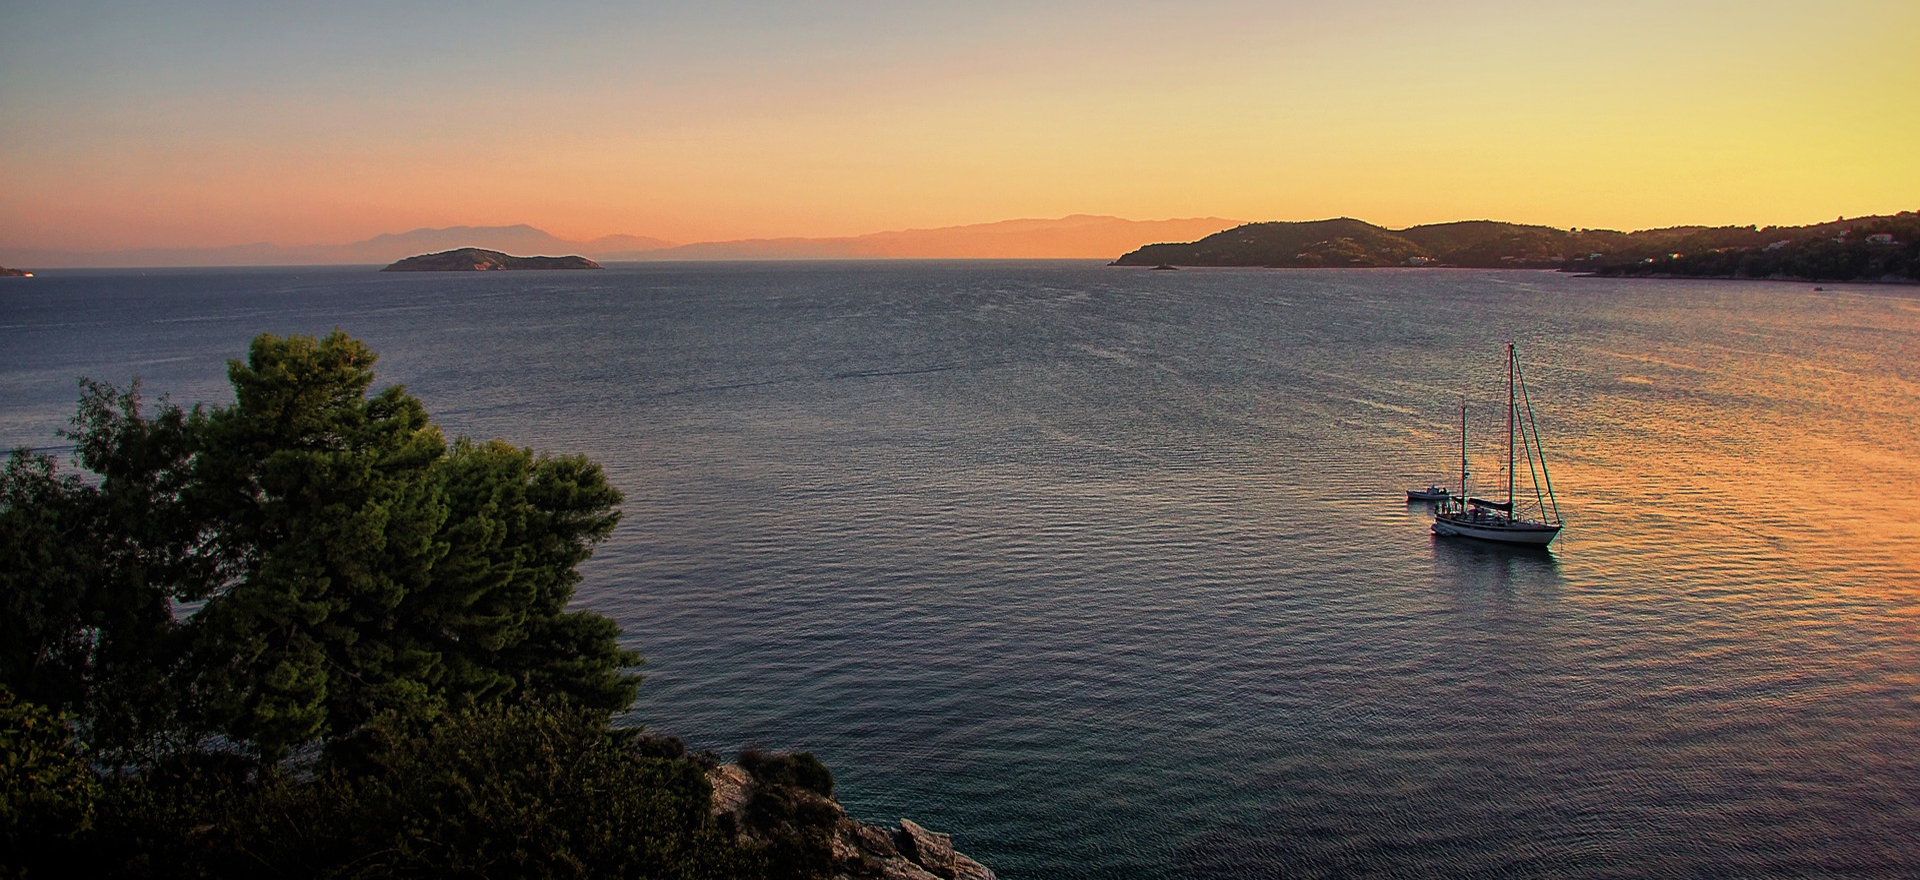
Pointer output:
193, 123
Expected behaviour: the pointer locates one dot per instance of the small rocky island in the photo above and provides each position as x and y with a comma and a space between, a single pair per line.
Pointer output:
14, 273
480, 260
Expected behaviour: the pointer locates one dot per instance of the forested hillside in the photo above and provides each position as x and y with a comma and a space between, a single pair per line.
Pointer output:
1866, 248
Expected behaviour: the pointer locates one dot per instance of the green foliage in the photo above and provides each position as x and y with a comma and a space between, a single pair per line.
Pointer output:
648, 745
173, 818
90, 571
795, 769
315, 564
47, 790
326, 502
790, 814
534, 790
46, 576
519, 526
349, 565
453, 800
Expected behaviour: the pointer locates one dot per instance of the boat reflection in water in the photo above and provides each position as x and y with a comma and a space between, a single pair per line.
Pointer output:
1498, 563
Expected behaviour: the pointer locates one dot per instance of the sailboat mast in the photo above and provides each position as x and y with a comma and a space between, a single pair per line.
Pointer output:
1509, 429
1463, 455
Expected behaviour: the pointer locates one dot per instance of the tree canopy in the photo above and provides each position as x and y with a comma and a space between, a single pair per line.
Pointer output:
210, 593
290, 567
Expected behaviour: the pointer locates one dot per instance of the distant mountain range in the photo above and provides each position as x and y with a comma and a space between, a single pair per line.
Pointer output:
1078, 236
375, 251
1875, 248
1869, 248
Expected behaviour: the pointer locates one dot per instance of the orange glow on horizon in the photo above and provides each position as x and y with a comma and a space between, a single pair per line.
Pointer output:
1391, 112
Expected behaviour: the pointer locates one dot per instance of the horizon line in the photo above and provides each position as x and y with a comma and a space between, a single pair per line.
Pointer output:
665, 248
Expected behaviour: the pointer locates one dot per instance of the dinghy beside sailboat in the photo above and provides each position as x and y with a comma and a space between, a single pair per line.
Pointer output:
1433, 492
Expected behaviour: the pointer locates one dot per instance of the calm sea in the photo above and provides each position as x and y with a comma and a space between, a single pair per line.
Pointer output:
1109, 572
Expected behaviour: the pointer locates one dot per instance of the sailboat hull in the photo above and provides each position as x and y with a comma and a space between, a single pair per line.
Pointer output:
1498, 521
1500, 529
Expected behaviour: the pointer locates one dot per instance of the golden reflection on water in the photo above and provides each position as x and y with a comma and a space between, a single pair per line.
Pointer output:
1089, 535
1795, 449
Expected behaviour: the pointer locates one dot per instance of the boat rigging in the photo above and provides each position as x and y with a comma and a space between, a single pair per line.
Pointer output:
1502, 521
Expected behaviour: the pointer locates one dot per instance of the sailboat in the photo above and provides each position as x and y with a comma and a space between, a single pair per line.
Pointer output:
1467, 516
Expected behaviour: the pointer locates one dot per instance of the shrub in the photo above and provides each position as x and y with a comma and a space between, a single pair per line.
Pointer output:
798, 769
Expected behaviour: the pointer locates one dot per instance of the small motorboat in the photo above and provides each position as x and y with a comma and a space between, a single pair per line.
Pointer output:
1431, 493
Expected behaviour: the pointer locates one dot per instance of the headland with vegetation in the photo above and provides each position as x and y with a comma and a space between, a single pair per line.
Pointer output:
1879, 248
306, 635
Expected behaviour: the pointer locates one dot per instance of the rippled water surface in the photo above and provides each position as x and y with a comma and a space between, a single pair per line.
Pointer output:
1108, 573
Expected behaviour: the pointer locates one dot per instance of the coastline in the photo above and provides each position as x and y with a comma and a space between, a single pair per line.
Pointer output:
1668, 276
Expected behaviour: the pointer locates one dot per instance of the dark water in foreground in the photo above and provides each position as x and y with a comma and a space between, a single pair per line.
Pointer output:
1106, 572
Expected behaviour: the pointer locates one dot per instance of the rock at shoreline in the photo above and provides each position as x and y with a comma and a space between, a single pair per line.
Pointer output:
853, 848
928, 849
479, 260
14, 273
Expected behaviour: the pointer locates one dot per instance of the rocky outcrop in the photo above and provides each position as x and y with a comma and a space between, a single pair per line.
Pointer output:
846, 848
928, 849
480, 260
14, 273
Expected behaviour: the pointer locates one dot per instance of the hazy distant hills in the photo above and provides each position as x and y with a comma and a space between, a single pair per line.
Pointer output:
1078, 236
378, 250
1857, 248
1876, 248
